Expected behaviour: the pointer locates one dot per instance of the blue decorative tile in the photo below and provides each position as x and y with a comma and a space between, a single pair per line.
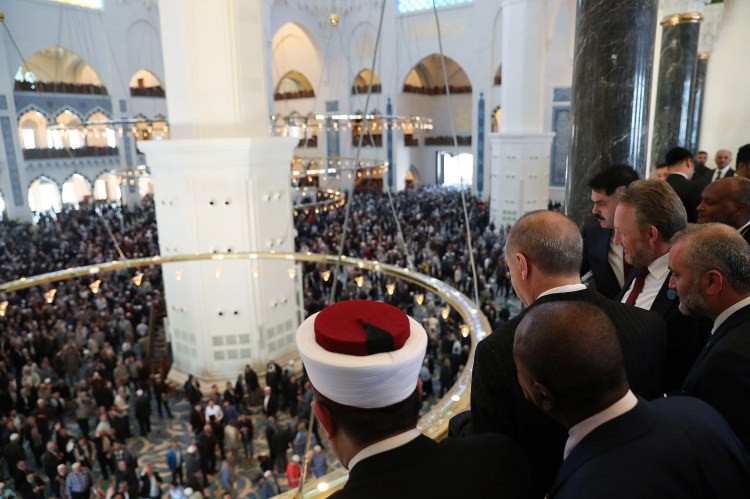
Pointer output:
10, 153
559, 158
561, 94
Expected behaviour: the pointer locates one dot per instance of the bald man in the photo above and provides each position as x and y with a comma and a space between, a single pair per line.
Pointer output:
727, 201
723, 162
710, 267
570, 365
543, 253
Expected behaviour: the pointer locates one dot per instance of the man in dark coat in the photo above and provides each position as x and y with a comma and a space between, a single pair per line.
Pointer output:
143, 412
207, 449
543, 253
679, 161
570, 364
601, 255
711, 274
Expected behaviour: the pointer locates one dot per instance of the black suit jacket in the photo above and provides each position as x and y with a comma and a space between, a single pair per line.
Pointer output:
672, 447
476, 466
686, 336
596, 259
497, 401
689, 193
721, 373
703, 175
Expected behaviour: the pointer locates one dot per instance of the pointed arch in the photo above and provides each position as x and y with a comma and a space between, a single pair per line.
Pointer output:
107, 187
293, 85
32, 129
426, 77
76, 190
361, 83
57, 69
44, 195
145, 83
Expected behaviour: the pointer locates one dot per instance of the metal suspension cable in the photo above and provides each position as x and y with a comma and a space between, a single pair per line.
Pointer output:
469, 245
350, 191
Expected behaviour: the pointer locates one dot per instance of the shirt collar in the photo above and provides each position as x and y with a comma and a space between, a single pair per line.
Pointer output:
741, 229
567, 288
726, 313
384, 445
659, 268
583, 428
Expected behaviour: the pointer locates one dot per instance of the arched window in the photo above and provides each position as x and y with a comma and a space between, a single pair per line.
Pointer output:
362, 83
107, 188
76, 190
144, 83
44, 196
32, 129
55, 69
293, 85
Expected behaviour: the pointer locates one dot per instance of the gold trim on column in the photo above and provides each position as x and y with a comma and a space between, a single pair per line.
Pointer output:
704, 55
689, 17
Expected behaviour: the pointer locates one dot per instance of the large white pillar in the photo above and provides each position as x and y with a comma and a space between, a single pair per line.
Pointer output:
520, 152
222, 185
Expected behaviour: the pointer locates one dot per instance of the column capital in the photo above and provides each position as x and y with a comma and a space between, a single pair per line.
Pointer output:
686, 18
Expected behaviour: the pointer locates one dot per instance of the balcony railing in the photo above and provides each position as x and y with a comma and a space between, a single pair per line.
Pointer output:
157, 91
362, 89
82, 152
447, 140
300, 94
311, 142
412, 89
60, 87
368, 140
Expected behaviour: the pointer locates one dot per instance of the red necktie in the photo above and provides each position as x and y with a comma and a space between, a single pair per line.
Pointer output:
640, 279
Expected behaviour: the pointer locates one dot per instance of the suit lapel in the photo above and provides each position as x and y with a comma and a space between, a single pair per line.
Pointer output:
663, 302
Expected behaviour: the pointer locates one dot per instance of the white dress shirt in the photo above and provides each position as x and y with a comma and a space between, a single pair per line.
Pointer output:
726, 313
383, 446
658, 271
583, 428
614, 256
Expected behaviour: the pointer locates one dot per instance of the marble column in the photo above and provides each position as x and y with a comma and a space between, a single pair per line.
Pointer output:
679, 57
611, 93
389, 144
696, 102
481, 132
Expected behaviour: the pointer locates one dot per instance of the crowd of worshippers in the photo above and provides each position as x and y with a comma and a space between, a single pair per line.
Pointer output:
427, 232
84, 350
